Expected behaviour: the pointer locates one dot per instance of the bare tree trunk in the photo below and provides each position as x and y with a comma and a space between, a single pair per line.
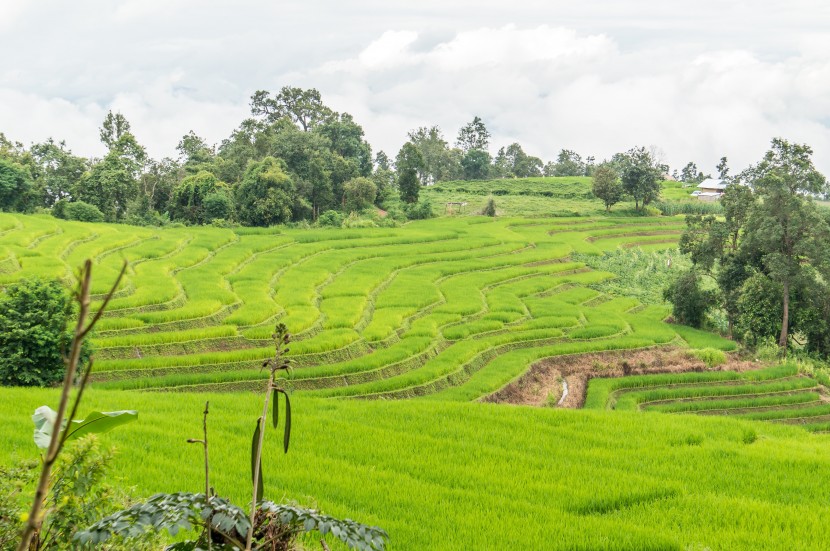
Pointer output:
782, 340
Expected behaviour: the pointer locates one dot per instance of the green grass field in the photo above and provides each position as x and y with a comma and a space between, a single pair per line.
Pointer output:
398, 333
446, 475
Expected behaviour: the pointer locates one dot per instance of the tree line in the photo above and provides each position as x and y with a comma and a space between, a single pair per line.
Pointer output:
292, 159
766, 263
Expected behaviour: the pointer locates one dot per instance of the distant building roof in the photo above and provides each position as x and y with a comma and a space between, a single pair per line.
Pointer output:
712, 183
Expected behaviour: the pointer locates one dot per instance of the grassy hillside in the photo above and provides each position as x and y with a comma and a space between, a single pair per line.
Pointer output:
548, 196
424, 309
440, 475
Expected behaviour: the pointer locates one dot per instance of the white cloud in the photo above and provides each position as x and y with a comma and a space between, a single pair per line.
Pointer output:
10, 10
699, 78
551, 88
388, 49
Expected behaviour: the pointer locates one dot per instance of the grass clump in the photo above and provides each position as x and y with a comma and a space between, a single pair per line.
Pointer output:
712, 357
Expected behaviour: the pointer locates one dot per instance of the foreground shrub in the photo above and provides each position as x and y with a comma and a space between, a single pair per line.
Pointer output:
34, 317
77, 497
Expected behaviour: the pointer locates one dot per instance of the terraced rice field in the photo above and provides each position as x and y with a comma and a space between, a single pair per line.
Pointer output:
450, 311
779, 394
453, 308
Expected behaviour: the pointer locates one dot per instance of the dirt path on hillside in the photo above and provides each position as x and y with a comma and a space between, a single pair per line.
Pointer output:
545, 382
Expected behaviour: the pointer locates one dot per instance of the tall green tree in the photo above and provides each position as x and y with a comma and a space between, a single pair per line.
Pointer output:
606, 186
188, 199
110, 186
439, 161
408, 185
15, 187
723, 168
473, 135
691, 175
358, 194
195, 154
383, 176
408, 163
785, 227
56, 171
568, 163
475, 165
640, 176
302, 107
518, 164
266, 195
346, 139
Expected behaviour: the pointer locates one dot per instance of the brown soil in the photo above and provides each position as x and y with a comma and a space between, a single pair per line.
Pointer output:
542, 384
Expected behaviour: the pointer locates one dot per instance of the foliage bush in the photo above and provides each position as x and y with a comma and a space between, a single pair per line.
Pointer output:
34, 317
83, 212
78, 497
354, 220
760, 309
689, 300
330, 218
419, 211
217, 205
59, 209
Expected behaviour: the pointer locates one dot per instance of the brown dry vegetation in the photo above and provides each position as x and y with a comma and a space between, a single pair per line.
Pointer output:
542, 385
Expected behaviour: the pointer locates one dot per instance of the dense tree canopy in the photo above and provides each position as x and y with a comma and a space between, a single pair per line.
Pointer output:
770, 254
640, 176
606, 186
15, 186
35, 316
267, 194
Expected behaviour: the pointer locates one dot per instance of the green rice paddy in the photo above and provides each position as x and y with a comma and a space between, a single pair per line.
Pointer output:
398, 333
390, 313
778, 394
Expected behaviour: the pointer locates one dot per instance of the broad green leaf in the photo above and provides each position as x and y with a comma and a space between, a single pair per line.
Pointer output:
99, 422
96, 422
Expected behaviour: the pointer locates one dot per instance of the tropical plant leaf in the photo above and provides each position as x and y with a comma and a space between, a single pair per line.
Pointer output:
96, 422
354, 534
287, 436
276, 416
254, 447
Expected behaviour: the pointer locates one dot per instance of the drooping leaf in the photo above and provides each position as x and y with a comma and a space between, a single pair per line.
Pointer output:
96, 422
287, 435
275, 418
254, 447
354, 534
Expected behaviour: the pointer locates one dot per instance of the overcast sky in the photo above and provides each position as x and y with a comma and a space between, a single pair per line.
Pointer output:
697, 79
